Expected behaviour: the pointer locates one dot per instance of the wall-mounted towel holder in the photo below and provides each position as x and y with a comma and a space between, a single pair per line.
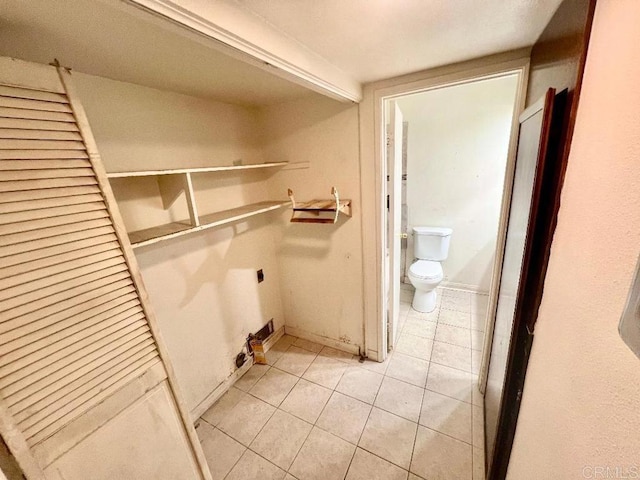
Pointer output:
318, 211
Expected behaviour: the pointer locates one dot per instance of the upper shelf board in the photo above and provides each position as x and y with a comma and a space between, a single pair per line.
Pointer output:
149, 173
152, 235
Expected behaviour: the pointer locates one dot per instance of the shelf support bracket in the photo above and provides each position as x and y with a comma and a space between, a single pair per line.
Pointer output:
171, 186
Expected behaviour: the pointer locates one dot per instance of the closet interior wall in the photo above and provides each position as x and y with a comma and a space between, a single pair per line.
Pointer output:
320, 264
203, 286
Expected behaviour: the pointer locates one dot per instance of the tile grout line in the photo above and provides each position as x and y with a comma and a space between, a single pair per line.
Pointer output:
276, 408
388, 461
353, 455
239, 458
438, 363
265, 459
316, 420
349, 364
424, 392
449, 436
283, 411
247, 447
365, 426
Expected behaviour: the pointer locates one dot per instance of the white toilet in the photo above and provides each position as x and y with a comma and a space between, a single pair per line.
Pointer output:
430, 246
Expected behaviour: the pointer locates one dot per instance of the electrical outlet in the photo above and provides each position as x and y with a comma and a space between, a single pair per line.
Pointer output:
260, 276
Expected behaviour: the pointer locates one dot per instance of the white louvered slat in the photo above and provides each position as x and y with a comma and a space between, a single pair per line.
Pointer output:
42, 292
16, 186
44, 164
27, 195
25, 134
67, 358
29, 94
41, 154
49, 241
63, 246
59, 264
43, 223
95, 396
23, 372
11, 337
60, 331
59, 379
45, 203
76, 398
17, 175
31, 104
33, 407
24, 114
48, 314
58, 352
53, 211
24, 241
21, 144
11, 313
36, 408
43, 125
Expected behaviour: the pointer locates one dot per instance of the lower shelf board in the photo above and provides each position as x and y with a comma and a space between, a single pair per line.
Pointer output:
152, 235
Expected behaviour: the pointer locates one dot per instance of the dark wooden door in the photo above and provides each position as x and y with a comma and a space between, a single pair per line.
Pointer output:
535, 177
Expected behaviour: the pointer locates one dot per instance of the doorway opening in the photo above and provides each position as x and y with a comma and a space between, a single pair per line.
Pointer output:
446, 160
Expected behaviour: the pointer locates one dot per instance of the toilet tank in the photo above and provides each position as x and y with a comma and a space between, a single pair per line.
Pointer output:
431, 243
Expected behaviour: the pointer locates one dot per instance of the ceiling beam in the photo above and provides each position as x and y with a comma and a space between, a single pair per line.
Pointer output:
239, 33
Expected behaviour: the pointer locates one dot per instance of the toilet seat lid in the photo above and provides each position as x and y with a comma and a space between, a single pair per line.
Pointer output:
426, 269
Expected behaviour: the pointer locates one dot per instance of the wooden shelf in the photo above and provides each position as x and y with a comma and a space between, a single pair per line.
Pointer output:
149, 173
310, 212
172, 183
176, 229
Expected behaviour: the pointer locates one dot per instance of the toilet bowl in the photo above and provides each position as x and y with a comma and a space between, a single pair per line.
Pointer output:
430, 246
425, 276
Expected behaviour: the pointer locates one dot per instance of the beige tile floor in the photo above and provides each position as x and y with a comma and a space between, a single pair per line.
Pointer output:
316, 413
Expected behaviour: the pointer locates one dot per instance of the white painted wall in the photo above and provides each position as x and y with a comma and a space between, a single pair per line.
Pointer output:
203, 286
458, 138
143, 128
582, 391
320, 265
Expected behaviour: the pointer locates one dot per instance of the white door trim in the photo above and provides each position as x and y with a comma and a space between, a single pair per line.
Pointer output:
373, 174
392, 264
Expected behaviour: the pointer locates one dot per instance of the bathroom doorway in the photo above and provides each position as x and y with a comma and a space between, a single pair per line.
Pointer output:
447, 152
448, 164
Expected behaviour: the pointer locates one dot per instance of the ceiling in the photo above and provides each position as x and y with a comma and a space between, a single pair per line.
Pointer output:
377, 39
366, 39
99, 39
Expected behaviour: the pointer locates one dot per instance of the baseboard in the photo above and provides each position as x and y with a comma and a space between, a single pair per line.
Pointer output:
221, 389
329, 342
273, 338
464, 286
372, 355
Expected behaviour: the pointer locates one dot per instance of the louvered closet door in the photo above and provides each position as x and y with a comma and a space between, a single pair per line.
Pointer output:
74, 324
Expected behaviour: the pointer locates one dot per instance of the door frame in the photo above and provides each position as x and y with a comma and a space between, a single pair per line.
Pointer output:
373, 171
549, 172
393, 215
